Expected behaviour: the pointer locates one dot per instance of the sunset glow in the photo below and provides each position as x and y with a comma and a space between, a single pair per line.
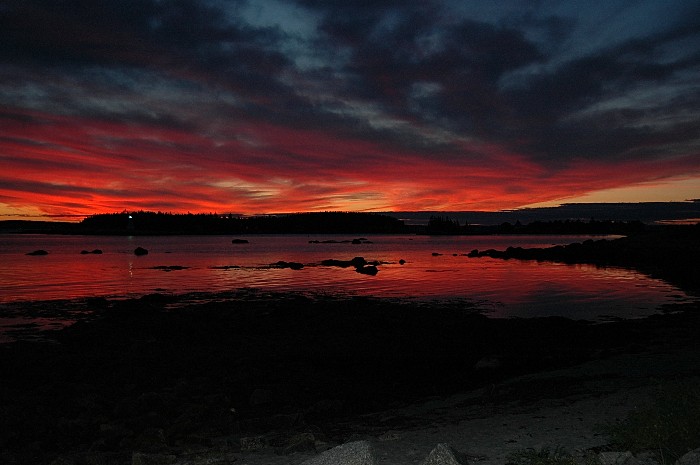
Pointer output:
298, 105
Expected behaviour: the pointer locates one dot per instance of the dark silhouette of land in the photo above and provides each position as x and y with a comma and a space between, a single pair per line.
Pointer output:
159, 223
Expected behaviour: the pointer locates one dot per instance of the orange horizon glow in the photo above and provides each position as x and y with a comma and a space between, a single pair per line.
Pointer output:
75, 167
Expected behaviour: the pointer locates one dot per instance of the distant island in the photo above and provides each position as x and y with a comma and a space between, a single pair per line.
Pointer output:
159, 223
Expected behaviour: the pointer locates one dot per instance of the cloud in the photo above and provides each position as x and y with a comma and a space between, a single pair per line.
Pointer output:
282, 105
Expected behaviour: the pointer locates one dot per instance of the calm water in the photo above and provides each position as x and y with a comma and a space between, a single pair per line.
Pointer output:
213, 263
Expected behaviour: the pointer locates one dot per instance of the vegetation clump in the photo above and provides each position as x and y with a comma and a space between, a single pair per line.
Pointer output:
669, 427
544, 456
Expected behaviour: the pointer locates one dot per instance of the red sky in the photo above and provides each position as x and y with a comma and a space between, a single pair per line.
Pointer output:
300, 105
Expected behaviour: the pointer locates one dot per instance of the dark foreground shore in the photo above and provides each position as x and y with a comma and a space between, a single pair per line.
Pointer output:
289, 370
251, 372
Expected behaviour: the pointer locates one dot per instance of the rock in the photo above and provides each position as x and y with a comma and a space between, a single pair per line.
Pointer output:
473, 253
691, 458
140, 251
436, 254
290, 265
356, 241
352, 453
38, 252
369, 270
402, 261
169, 268
95, 252
239, 241
356, 262
443, 454
615, 458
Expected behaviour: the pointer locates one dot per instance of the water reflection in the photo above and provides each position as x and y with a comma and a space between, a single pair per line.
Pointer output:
210, 263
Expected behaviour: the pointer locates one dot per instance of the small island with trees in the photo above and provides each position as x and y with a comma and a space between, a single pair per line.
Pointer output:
160, 223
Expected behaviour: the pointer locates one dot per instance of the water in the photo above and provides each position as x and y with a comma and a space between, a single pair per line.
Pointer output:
504, 288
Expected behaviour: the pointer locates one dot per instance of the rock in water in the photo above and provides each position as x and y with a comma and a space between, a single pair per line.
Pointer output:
140, 251
38, 252
352, 453
239, 241
443, 454
369, 269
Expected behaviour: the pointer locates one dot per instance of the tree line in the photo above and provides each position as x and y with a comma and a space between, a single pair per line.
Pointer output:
144, 222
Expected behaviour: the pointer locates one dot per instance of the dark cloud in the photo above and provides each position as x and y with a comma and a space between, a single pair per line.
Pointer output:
180, 37
546, 103
463, 84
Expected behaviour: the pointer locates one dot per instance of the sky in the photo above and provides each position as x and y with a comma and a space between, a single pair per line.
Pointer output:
266, 106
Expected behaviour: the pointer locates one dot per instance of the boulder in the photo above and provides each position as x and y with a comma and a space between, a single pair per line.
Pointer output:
239, 241
691, 458
443, 454
38, 252
368, 270
140, 251
352, 453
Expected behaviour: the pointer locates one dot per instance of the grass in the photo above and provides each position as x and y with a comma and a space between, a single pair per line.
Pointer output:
669, 427
544, 456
